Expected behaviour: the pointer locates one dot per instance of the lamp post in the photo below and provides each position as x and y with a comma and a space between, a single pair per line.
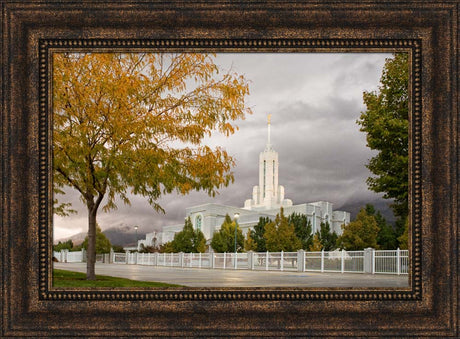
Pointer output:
236, 216
137, 245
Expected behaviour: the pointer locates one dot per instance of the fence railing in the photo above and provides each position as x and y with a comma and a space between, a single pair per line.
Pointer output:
391, 261
67, 256
80, 256
367, 261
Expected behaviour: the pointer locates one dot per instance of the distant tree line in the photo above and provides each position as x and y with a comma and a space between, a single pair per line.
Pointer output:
103, 244
188, 240
289, 234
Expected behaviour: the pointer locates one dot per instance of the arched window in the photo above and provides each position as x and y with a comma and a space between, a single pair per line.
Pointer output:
198, 222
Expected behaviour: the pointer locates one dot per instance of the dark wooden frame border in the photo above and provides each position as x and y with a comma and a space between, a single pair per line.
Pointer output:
32, 30
48, 47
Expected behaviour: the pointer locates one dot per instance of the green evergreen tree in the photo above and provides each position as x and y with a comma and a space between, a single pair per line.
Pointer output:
257, 234
189, 240
327, 238
117, 248
66, 245
224, 239
303, 229
280, 235
386, 238
199, 241
403, 239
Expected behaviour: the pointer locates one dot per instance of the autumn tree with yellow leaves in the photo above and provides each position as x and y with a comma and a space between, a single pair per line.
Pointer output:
280, 235
133, 123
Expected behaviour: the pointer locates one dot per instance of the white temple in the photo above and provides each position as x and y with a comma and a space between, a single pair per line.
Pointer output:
267, 199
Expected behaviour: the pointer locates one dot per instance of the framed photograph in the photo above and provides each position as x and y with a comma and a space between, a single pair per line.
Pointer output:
309, 156
278, 44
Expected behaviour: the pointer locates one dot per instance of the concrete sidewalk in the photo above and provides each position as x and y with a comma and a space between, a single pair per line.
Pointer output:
193, 277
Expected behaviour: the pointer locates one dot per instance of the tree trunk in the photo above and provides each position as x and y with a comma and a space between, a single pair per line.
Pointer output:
91, 253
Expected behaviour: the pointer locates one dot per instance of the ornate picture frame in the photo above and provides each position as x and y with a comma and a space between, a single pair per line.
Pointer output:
32, 31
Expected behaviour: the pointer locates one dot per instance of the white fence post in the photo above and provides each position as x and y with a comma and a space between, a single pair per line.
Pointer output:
251, 260
181, 259
398, 261
199, 261
225, 259
301, 261
236, 260
342, 263
367, 260
266, 261
304, 265
127, 257
373, 261
282, 261
322, 261
211, 260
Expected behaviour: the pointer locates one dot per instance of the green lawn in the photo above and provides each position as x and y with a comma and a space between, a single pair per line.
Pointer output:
63, 278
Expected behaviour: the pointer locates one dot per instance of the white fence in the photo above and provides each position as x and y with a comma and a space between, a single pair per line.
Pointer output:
367, 261
390, 261
79, 256
67, 256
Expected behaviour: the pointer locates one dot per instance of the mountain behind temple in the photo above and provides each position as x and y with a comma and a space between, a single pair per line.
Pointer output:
123, 235
118, 235
379, 204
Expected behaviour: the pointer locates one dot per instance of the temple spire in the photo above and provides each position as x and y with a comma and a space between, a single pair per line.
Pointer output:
268, 194
269, 145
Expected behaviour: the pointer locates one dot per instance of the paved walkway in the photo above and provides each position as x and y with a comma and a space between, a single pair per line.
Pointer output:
193, 277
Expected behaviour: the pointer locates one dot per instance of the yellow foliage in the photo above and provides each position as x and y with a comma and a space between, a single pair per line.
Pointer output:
116, 117
249, 244
316, 246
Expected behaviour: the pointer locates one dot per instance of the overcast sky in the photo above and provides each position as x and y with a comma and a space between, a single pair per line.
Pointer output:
315, 100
